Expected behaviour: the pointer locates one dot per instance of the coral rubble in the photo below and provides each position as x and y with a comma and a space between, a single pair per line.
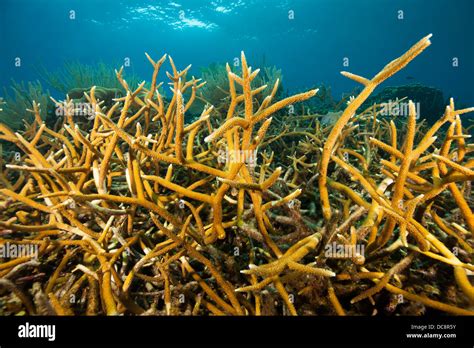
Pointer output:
138, 212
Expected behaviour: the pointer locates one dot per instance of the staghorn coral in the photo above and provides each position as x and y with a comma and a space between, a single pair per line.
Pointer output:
140, 210
216, 90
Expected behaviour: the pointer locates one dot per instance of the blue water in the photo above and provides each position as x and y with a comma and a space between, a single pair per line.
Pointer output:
309, 48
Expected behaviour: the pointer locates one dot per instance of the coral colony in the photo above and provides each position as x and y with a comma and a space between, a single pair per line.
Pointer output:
143, 209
